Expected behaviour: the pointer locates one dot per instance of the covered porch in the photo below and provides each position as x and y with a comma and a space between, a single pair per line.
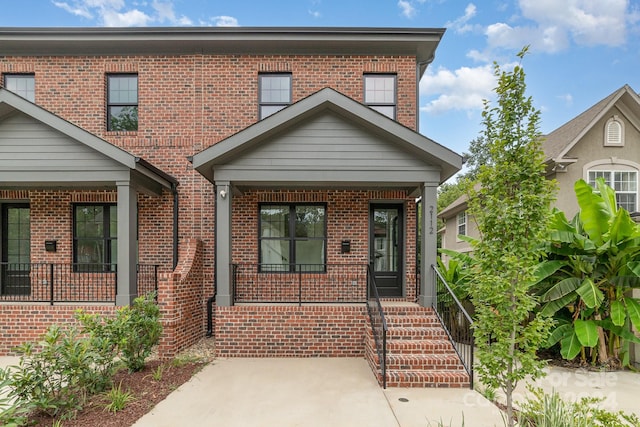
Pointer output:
316, 197
69, 211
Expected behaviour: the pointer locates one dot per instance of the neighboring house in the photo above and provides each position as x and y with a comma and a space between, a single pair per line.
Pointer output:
603, 141
243, 170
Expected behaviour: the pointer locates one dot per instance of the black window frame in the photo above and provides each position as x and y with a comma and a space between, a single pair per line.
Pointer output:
374, 105
20, 75
108, 265
111, 104
292, 238
262, 103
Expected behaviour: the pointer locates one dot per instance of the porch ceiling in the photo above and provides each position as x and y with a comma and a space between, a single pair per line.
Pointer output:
38, 149
327, 140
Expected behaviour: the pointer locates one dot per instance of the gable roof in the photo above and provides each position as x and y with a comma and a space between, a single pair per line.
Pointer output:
348, 110
559, 142
12, 104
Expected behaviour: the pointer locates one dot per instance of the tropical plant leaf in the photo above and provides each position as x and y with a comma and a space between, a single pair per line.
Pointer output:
562, 288
547, 268
559, 333
618, 313
608, 196
633, 308
623, 332
622, 227
587, 332
594, 212
552, 307
570, 347
590, 294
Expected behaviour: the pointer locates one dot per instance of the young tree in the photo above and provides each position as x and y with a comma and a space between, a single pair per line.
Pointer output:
511, 207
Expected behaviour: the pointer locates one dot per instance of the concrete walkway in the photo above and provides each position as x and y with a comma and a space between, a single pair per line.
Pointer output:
343, 392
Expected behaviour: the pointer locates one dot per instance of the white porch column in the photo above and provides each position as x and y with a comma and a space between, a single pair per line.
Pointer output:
127, 256
429, 244
224, 287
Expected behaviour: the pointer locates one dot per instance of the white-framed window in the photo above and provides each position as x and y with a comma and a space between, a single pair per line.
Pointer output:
614, 132
624, 182
462, 223
21, 84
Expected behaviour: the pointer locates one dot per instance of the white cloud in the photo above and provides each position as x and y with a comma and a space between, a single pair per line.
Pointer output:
116, 13
406, 8
224, 21
567, 98
315, 13
461, 25
461, 90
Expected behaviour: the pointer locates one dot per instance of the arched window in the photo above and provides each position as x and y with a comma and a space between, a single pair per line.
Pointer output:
614, 132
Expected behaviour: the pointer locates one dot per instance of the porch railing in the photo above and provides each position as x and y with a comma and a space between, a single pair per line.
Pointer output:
68, 283
456, 321
378, 324
299, 283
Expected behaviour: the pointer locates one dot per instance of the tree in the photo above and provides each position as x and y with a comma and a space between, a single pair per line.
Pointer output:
511, 207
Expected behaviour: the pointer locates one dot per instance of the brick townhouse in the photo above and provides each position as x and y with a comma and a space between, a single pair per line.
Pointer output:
263, 180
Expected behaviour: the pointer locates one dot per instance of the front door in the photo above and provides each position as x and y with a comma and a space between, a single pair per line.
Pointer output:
386, 254
15, 249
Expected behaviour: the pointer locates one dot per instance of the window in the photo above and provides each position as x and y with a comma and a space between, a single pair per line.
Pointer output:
274, 93
21, 84
462, 223
380, 93
292, 237
122, 102
95, 246
614, 132
625, 183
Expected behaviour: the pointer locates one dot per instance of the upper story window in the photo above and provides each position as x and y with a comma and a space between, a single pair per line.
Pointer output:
625, 184
95, 233
614, 132
21, 84
380, 93
292, 237
462, 223
122, 102
274, 93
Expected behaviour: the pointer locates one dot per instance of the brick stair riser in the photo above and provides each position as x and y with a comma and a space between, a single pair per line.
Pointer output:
411, 321
424, 363
417, 333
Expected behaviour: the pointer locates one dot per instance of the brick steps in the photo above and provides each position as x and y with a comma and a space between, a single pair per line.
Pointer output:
419, 353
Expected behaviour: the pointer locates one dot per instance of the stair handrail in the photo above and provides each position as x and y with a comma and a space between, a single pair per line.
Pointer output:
465, 351
374, 307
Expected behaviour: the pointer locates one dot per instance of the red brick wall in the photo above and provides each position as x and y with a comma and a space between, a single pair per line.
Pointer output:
290, 331
27, 322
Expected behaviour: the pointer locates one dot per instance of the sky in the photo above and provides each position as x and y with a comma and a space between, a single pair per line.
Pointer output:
580, 50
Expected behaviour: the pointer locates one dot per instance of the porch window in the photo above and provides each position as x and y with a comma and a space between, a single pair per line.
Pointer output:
275, 93
380, 93
95, 245
625, 183
292, 237
21, 84
122, 102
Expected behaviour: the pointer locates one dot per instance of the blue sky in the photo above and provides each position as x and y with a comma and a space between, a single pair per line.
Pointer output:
581, 50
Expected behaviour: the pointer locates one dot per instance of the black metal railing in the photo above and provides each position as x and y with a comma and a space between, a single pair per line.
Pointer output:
456, 321
378, 323
69, 283
299, 283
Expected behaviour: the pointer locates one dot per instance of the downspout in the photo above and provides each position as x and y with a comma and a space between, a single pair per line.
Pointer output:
212, 298
176, 210
418, 245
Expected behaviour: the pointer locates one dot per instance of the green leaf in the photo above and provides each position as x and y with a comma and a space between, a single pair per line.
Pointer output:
547, 268
559, 333
633, 308
594, 212
587, 332
550, 308
562, 288
570, 347
591, 295
618, 313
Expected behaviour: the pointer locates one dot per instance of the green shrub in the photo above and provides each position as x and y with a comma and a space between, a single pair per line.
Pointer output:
11, 413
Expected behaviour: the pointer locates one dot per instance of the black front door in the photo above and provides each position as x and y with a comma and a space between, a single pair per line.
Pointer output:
386, 254
15, 249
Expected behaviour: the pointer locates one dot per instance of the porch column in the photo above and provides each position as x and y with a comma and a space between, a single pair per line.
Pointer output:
224, 287
127, 256
429, 244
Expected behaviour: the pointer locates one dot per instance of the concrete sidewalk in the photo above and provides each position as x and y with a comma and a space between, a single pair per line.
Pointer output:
311, 392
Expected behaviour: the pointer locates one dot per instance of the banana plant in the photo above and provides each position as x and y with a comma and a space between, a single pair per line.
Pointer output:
593, 264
